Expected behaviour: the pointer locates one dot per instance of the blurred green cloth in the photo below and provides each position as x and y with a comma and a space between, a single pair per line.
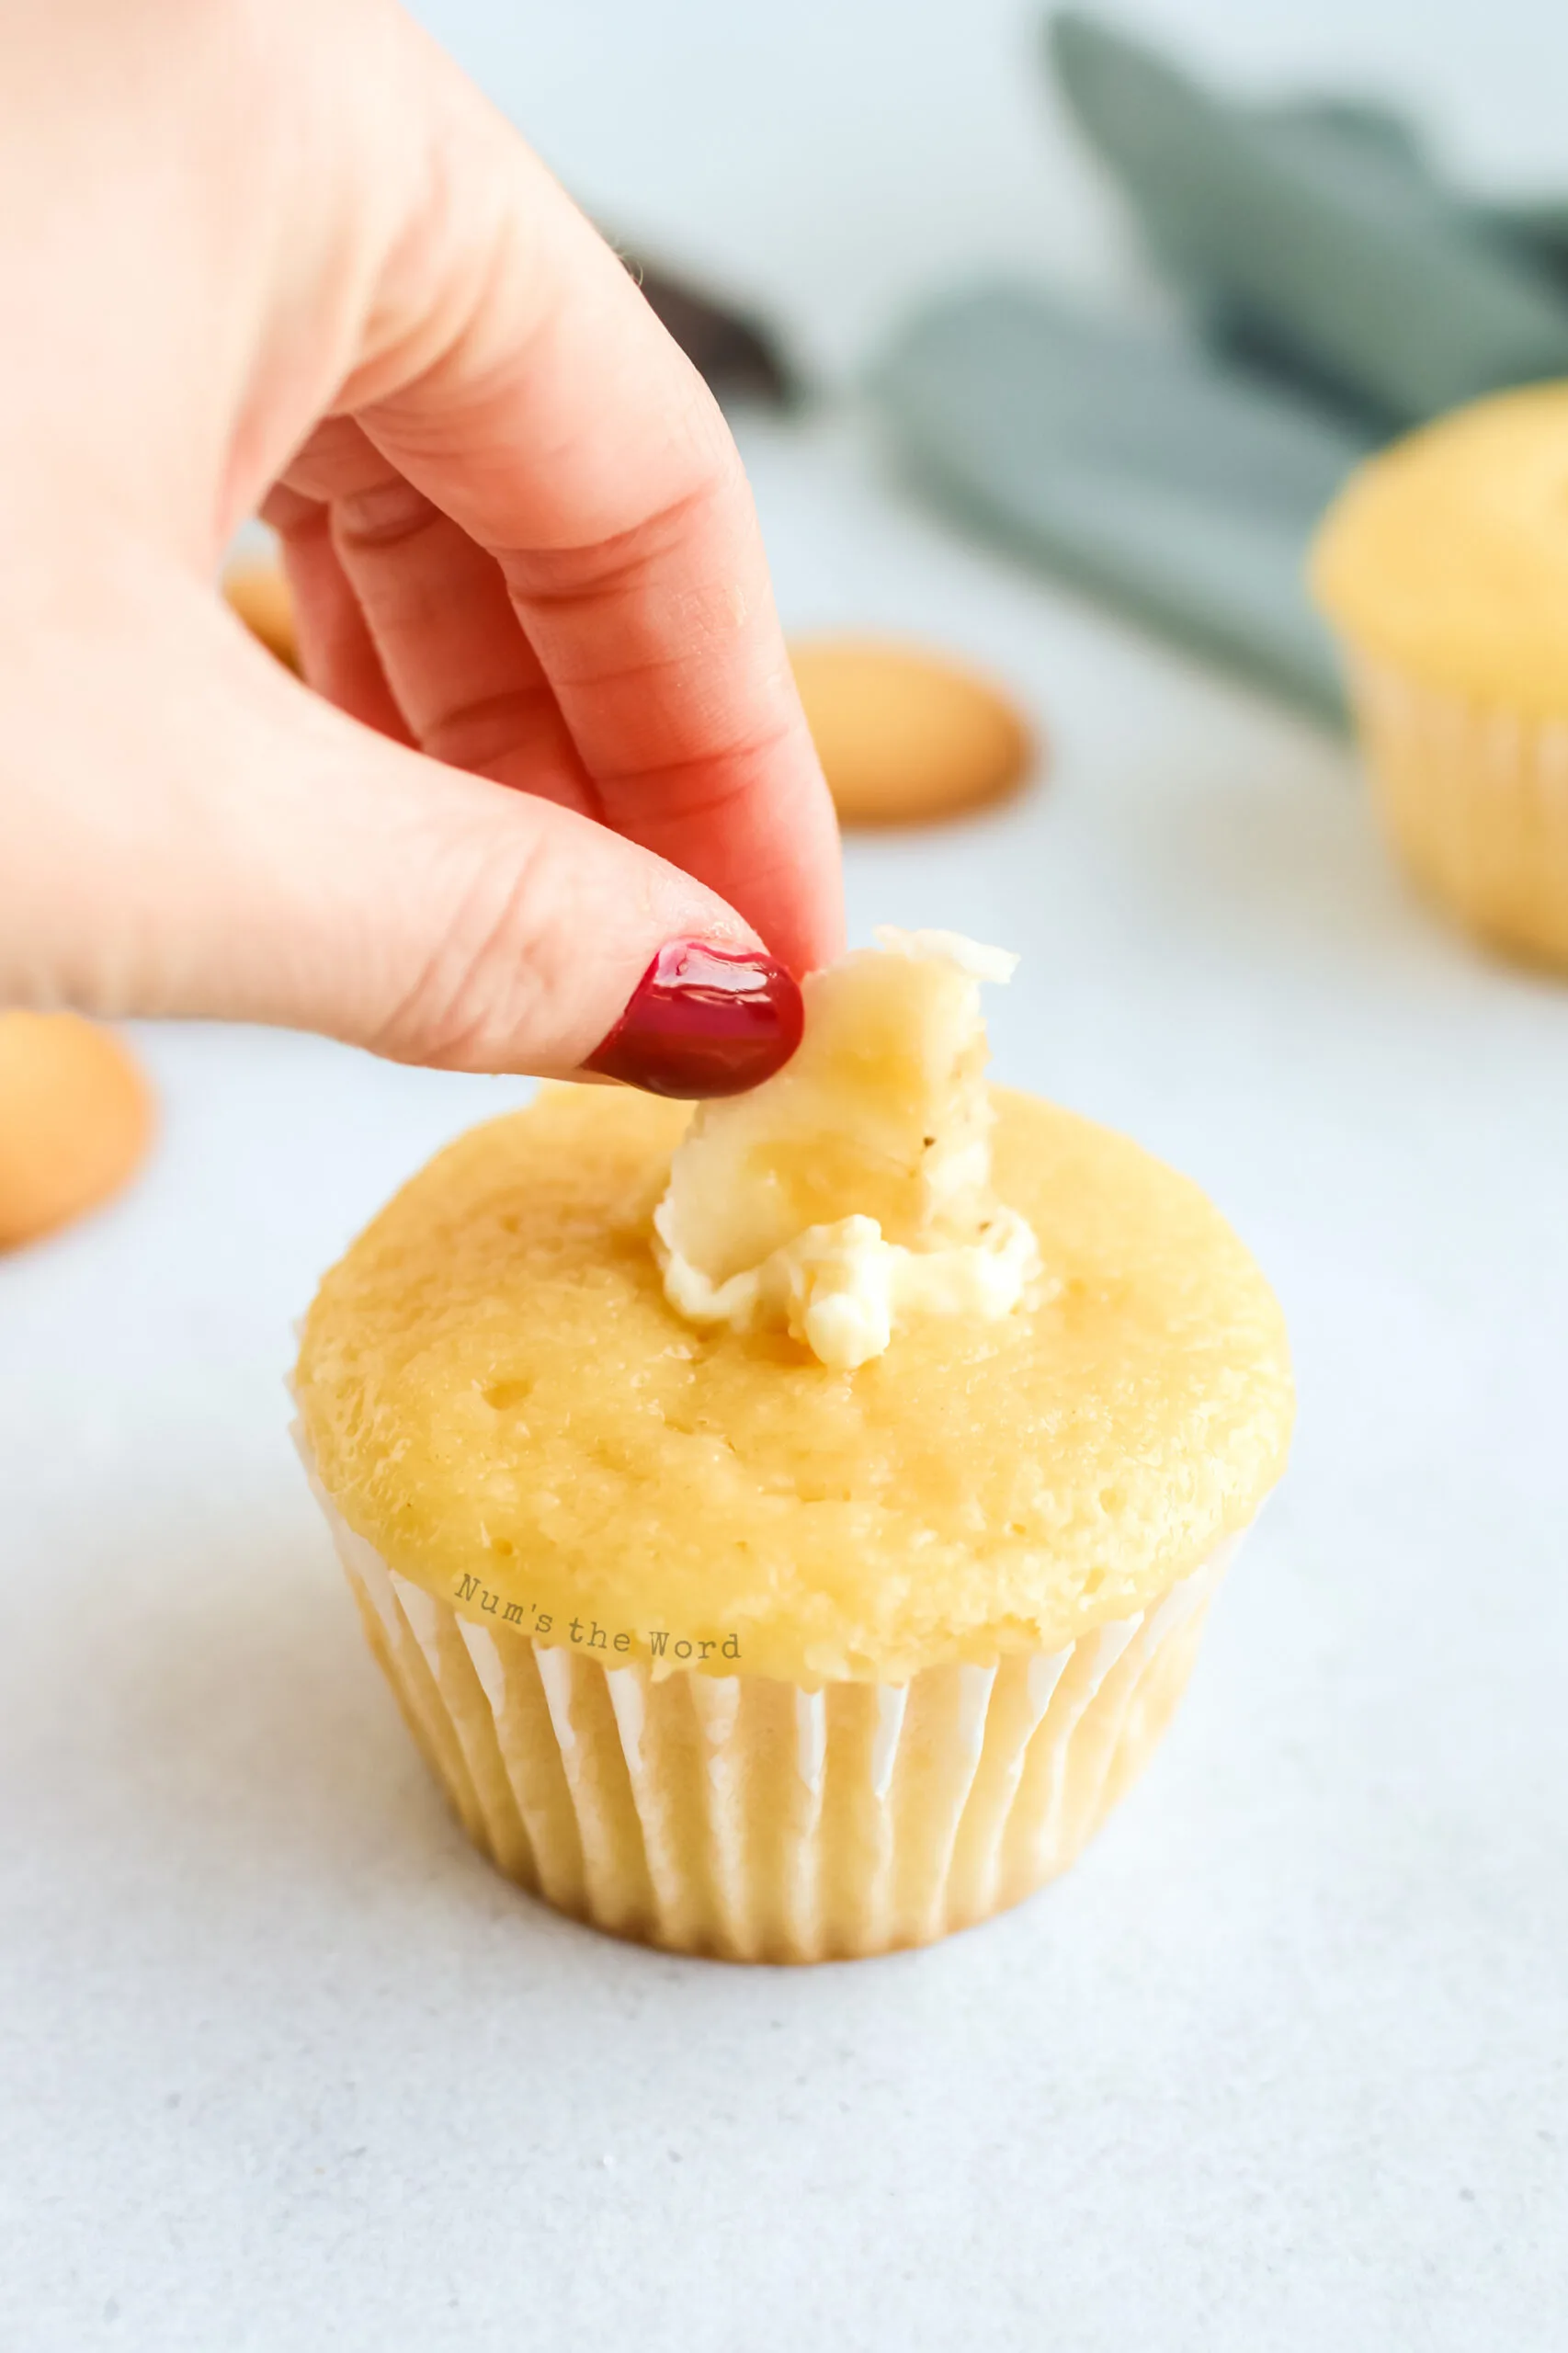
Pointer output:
1337, 290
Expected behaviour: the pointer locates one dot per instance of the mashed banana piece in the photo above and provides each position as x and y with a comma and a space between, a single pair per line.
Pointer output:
854, 1190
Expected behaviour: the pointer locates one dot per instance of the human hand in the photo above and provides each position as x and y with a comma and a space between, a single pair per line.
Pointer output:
285, 256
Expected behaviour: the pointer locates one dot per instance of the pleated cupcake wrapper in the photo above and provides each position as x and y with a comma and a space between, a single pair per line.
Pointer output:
753, 1819
1475, 800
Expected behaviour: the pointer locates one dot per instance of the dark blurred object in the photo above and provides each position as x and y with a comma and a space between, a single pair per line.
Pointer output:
1339, 290
738, 355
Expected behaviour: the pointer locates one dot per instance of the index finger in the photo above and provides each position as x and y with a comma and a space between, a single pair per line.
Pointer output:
564, 431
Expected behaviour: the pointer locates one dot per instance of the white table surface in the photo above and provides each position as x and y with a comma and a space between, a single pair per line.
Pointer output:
1283, 2063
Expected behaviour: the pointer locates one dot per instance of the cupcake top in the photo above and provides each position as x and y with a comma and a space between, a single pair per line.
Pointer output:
874, 1369
1447, 555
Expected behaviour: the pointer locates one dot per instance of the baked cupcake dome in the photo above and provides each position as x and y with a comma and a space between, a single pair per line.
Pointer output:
720, 1647
1444, 567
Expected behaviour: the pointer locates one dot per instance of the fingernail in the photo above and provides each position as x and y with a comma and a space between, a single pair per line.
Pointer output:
704, 1021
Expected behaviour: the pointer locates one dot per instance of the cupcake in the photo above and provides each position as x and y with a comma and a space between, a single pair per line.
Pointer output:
787, 1529
1444, 567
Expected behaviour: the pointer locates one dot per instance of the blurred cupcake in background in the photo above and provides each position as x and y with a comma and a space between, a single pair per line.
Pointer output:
1443, 566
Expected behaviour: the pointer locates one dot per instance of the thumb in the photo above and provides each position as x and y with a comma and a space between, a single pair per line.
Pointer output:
238, 849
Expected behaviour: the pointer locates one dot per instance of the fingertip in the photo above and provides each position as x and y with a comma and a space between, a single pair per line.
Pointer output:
704, 1020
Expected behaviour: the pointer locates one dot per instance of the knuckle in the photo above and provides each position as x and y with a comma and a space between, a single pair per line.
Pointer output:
384, 516
481, 997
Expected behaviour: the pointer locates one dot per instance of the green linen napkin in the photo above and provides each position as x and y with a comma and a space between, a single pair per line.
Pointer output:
1327, 223
1338, 289
1138, 465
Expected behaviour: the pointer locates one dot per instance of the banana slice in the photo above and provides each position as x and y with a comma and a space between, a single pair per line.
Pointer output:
854, 1189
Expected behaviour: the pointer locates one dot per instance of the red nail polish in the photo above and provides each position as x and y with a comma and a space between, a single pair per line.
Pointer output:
704, 1021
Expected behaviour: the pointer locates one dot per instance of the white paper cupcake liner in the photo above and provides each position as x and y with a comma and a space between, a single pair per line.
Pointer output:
755, 1820
1475, 800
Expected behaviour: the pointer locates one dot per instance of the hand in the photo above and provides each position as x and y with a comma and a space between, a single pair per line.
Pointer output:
271, 254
